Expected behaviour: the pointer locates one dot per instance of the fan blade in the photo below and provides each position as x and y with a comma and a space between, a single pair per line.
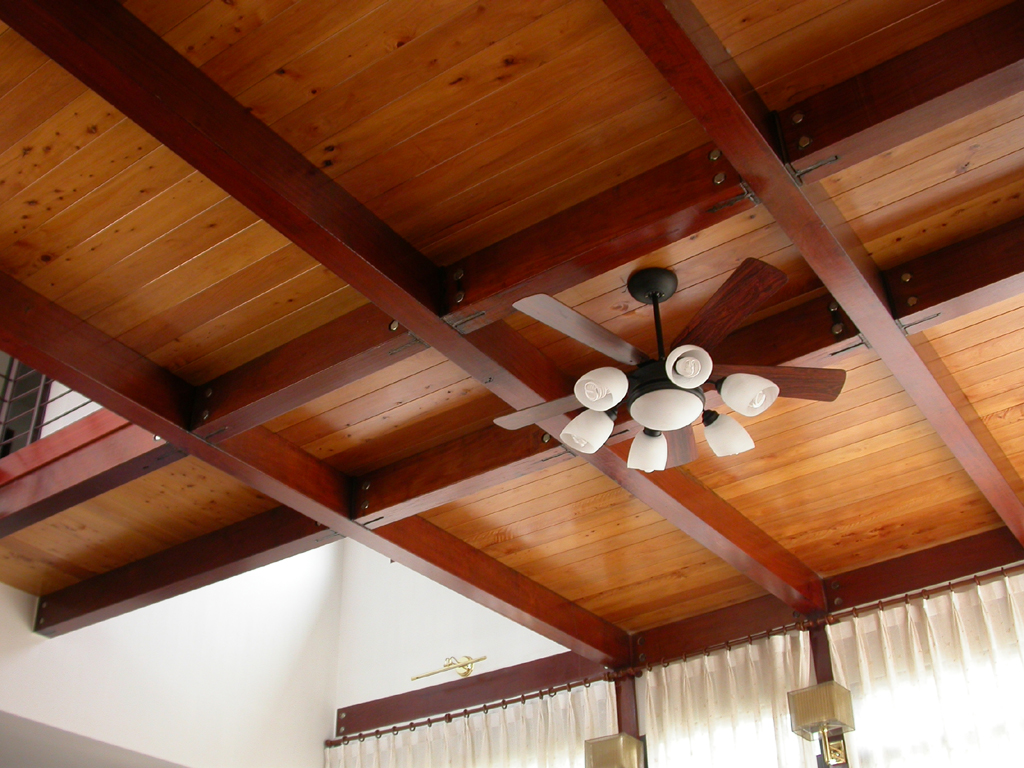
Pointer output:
538, 413
555, 314
745, 290
682, 447
823, 384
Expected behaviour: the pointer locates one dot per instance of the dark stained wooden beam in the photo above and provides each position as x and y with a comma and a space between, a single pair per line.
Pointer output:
456, 695
96, 454
821, 656
244, 546
340, 352
862, 586
960, 278
657, 208
626, 713
735, 121
943, 80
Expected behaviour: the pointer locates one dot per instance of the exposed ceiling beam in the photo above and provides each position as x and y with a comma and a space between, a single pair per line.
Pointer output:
945, 79
243, 546
908, 573
353, 346
129, 65
89, 457
662, 206
844, 266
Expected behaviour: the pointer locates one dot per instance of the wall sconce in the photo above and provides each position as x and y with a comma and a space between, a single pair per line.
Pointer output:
821, 710
618, 751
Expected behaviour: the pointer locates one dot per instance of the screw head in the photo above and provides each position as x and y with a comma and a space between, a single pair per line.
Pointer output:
715, 154
640, 640
797, 118
837, 329
804, 142
837, 601
546, 439
912, 301
366, 485
643, 657
835, 585
365, 505
458, 274
719, 179
208, 392
204, 415
43, 604
157, 438
393, 326
906, 277
833, 305
460, 297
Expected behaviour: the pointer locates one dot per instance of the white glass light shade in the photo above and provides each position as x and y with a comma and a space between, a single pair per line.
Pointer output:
727, 437
666, 409
748, 394
648, 453
588, 431
602, 388
688, 366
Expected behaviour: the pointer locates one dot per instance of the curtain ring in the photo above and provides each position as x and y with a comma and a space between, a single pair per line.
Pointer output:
504, 704
377, 734
412, 727
394, 730
465, 713
568, 687
586, 684
430, 724
362, 738
485, 709
448, 717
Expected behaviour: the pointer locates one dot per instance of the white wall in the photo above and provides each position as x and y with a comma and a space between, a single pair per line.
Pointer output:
396, 624
241, 673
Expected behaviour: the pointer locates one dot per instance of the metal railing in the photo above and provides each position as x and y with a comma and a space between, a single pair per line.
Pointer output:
31, 404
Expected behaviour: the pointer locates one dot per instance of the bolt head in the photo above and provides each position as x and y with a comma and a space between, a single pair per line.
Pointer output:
460, 297
208, 392
835, 585
912, 301
458, 274
546, 439
204, 415
365, 505
833, 306
643, 657
837, 329
804, 142
906, 277
837, 601
797, 118
393, 326
715, 154
719, 179
366, 485
157, 438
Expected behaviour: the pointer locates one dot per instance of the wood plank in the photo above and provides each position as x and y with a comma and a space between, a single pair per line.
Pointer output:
909, 95
486, 688
664, 205
352, 347
251, 543
101, 452
683, 58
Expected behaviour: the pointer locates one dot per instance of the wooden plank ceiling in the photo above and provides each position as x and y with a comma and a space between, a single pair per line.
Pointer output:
460, 124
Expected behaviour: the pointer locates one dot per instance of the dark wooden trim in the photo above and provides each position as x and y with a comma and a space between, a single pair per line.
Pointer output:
814, 226
72, 438
474, 691
112, 452
926, 568
821, 656
453, 471
952, 281
943, 80
626, 713
340, 352
244, 546
656, 208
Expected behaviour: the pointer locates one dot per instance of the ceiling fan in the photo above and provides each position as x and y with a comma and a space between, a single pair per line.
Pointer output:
666, 395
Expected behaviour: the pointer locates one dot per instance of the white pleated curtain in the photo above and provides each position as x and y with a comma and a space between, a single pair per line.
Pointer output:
728, 709
936, 682
546, 732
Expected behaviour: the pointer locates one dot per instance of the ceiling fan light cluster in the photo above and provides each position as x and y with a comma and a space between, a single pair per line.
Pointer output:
748, 394
649, 452
725, 435
588, 431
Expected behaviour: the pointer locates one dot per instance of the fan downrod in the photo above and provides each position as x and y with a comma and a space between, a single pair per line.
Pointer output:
653, 283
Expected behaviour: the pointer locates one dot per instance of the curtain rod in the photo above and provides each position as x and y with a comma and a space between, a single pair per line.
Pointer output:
503, 704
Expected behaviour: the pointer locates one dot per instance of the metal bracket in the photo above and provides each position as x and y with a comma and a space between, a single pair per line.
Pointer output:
747, 194
799, 175
458, 323
906, 328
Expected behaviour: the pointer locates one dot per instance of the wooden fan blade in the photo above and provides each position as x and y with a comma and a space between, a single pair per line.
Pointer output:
682, 446
538, 413
823, 384
555, 314
745, 290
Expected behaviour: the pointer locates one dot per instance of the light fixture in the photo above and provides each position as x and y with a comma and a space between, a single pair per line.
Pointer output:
662, 407
602, 388
688, 366
725, 435
649, 452
588, 431
748, 394
618, 751
821, 710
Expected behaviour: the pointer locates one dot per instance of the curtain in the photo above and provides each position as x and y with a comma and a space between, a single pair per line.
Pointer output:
547, 732
728, 709
936, 682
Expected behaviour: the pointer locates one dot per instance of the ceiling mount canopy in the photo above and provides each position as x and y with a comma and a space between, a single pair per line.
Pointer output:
665, 395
